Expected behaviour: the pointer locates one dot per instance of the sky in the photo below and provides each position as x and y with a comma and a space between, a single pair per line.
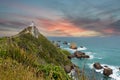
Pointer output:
74, 18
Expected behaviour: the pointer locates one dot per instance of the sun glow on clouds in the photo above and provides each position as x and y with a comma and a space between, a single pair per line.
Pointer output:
65, 28
109, 30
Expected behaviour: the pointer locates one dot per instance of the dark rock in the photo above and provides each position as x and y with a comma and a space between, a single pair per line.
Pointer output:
67, 68
107, 71
106, 66
81, 46
97, 66
58, 41
71, 56
80, 54
85, 56
65, 42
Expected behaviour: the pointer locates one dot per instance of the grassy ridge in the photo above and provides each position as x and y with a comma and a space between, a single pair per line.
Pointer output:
24, 57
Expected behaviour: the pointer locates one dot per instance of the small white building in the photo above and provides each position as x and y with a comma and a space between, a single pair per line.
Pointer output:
32, 24
34, 31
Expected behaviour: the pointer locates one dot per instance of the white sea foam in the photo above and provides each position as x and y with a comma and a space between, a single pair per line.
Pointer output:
90, 65
99, 58
83, 48
71, 50
90, 54
68, 43
114, 76
116, 72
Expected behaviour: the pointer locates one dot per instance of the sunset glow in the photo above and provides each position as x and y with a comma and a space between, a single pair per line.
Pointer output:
57, 18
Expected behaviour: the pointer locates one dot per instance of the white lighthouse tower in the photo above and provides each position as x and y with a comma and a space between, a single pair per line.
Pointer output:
32, 24
34, 30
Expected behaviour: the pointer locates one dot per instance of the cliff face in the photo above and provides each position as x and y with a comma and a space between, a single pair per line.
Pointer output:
30, 48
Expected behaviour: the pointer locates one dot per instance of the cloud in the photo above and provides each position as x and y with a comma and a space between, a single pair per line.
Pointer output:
65, 28
115, 26
64, 18
103, 26
35, 11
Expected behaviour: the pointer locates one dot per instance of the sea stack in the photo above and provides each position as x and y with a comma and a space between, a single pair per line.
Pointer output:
97, 65
107, 71
73, 45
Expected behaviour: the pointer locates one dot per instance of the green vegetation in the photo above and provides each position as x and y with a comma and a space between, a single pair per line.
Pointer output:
25, 57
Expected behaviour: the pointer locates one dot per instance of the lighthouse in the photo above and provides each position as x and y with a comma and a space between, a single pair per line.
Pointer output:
34, 30
32, 24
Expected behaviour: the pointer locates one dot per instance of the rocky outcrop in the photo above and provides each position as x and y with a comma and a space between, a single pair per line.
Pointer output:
58, 41
73, 45
85, 56
78, 54
107, 71
71, 56
67, 68
65, 43
73, 71
97, 66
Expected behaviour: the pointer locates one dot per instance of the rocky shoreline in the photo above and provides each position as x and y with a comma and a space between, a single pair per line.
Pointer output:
106, 70
72, 70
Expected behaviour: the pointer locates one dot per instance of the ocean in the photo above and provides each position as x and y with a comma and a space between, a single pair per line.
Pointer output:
105, 50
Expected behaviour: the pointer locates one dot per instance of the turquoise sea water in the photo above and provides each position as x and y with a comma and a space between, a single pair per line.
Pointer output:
105, 50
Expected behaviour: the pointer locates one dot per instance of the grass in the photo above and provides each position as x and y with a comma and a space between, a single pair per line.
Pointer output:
24, 57
12, 70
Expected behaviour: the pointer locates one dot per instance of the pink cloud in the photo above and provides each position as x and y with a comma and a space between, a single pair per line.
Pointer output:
66, 27
108, 31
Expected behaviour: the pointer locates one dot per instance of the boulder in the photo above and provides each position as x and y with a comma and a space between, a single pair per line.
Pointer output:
67, 68
58, 41
85, 56
81, 46
106, 66
80, 54
65, 43
73, 46
97, 66
107, 71
71, 56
